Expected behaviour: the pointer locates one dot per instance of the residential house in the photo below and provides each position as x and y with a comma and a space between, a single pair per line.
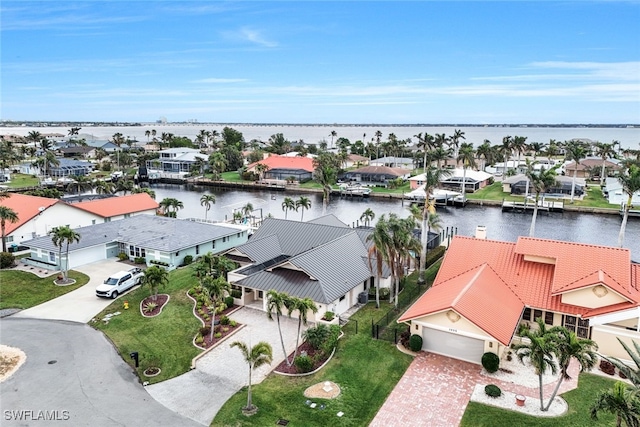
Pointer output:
518, 184
70, 167
179, 160
375, 175
616, 196
285, 167
394, 162
77, 151
485, 289
110, 209
473, 181
159, 240
355, 160
591, 167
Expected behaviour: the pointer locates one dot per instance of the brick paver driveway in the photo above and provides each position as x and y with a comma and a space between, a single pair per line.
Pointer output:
435, 390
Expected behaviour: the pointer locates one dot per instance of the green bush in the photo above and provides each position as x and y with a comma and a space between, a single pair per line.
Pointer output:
187, 260
233, 323
490, 362
384, 293
228, 301
217, 335
199, 339
139, 260
435, 254
236, 293
224, 320
123, 256
316, 335
205, 330
332, 340
492, 390
303, 364
329, 315
415, 342
7, 260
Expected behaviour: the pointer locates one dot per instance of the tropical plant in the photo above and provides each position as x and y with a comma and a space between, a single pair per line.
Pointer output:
378, 251
325, 167
256, 356
467, 156
276, 302
303, 203
604, 151
154, 277
367, 216
63, 236
288, 204
6, 214
216, 289
403, 245
630, 181
207, 200
620, 401
539, 181
575, 150
633, 374
303, 306
261, 169
149, 307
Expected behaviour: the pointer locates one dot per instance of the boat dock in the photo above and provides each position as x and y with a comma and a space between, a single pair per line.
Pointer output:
528, 206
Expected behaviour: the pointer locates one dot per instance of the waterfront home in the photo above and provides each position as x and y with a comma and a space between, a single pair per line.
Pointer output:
285, 167
38, 215
394, 162
616, 196
375, 175
155, 240
591, 167
485, 289
473, 181
77, 151
323, 259
178, 160
518, 184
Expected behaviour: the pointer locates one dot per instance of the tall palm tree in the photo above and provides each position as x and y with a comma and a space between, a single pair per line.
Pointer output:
303, 306
485, 152
380, 240
403, 244
256, 356
539, 182
155, 277
367, 216
467, 156
207, 200
63, 236
104, 187
288, 204
426, 143
454, 142
519, 145
333, 134
247, 210
630, 181
261, 169
569, 347
276, 303
325, 167
540, 351
575, 150
506, 149
303, 203
216, 290
6, 214
620, 401
604, 151
176, 205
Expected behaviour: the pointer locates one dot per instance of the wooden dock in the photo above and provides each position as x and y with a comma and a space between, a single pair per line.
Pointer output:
528, 206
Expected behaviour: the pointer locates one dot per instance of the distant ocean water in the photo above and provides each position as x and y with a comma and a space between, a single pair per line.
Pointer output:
628, 137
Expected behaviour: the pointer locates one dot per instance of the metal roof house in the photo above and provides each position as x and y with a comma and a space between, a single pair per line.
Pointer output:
159, 240
329, 265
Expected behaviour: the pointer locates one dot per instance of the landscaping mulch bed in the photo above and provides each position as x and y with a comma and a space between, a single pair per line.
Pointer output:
311, 352
224, 330
161, 300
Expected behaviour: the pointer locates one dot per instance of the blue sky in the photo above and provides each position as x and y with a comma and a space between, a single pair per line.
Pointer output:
321, 62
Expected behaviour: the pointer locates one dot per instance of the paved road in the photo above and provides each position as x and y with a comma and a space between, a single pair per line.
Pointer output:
89, 380
221, 373
82, 304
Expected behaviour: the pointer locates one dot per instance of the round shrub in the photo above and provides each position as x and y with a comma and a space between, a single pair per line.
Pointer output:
492, 390
224, 320
490, 362
415, 342
205, 330
7, 260
188, 260
303, 364
228, 301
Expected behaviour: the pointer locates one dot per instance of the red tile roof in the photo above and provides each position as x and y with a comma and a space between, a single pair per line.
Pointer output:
286, 162
115, 206
26, 207
538, 285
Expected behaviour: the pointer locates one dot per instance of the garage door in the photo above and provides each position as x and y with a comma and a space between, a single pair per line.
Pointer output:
452, 345
86, 256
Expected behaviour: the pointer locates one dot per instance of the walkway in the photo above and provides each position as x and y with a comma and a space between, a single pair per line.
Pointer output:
435, 390
221, 373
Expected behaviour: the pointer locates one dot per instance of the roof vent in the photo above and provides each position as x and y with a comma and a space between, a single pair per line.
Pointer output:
481, 232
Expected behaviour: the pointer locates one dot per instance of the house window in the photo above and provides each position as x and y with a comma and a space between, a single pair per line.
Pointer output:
197, 249
132, 250
9, 239
107, 220
526, 315
537, 314
548, 318
224, 239
577, 325
52, 256
213, 244
93, 221
127, 215
342, 298
238, 235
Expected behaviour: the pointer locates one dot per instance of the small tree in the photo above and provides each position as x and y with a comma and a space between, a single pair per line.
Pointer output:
256, 356
63, 236
154, 277
621, 401
216, 288
276, 302
303, 305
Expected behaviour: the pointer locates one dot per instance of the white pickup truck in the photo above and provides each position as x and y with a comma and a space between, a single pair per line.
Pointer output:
120, 282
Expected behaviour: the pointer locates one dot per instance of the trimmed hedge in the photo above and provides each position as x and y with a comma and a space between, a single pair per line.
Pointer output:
435, 254
492, 390
490, 362
415, 342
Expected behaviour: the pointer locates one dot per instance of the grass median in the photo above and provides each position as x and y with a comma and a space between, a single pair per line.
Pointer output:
164, 341
21, 289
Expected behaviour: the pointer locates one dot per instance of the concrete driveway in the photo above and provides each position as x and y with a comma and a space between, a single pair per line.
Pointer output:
74, 370
82, 304
221, 373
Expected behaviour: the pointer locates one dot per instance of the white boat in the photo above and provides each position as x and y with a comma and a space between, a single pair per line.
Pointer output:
355, 190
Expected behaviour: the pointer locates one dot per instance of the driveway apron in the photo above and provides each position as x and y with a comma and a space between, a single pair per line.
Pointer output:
221, 373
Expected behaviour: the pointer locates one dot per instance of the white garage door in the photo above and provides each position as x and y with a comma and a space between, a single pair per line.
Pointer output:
86, 256
452, 345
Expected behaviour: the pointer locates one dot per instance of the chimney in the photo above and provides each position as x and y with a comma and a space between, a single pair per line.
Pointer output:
481, 232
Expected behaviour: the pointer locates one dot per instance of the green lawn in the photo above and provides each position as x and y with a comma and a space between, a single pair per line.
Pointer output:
579, 400
165, 340
20, 289
233, 176
365, 369
19, 180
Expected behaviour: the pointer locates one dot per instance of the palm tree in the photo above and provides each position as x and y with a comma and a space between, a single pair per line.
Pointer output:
630, 181
276, 302
216, 289
80, 183
632, 373
261, 168
378, 250
485, 152
145, 190
124, 184
246, 211
540, 351
506, 149
60, 236
467, 156
575, 150
325, 168
104, 187
303, 305
425, 142
256, 356
568, 347
454, 142
403, 244
519, 145
622, 402
604, 151
367, 216
155, 277
288, 204
333, 134
6, 214
207, 200
303, 203
538, 182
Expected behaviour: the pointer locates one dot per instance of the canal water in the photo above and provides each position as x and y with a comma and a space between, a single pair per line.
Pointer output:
507, 226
